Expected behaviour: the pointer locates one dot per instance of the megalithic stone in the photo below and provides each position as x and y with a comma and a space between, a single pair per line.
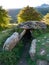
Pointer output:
32, 50
22, 33
11, 41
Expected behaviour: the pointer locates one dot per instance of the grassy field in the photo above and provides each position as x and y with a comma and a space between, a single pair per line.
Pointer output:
7, 57
12, 58
43, 42
39, 35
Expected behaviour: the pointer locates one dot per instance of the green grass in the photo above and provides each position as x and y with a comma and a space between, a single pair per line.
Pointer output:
29, 60
43, 43
39, 46
10, 57
4, 35
8, 32
38, 34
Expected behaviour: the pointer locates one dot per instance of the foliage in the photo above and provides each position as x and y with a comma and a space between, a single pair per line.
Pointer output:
10, 57
4, 17
14, 12
39, 46
28, 13
29, 60
6, 33
46, 18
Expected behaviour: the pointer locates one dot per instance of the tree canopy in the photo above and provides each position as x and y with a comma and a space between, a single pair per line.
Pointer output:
46, 18
28, 14
4, 17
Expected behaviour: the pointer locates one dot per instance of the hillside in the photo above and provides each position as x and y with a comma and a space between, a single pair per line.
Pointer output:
43, 9
13, 13
43, 6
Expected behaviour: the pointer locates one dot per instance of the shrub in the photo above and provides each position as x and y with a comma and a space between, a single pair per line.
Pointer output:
28, 14
11, 58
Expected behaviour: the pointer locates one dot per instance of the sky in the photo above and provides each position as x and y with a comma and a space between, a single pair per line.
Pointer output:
9, 4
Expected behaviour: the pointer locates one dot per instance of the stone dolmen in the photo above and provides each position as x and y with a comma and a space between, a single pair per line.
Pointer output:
27, 29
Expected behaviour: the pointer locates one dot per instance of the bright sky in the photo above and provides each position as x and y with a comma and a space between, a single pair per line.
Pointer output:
21, 3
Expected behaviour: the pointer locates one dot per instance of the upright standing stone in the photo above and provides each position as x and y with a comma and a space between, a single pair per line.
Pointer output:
32, 50
11, 41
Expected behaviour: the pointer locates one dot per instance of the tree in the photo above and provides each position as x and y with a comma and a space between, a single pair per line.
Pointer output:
4, 17
28, 13
46, 18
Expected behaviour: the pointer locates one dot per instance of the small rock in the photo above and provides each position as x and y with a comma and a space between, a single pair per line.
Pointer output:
42, 62
47, 41
47, 54
43, 43
45, 37
38, 40
43, 52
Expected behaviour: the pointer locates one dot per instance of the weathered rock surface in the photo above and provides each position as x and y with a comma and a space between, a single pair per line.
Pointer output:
32, 25
42, 52
11, 41
42, 62
32, 50
22, 34
39, 50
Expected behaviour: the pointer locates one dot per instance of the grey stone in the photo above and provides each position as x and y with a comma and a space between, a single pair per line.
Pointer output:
42, 62
47, 55
43, 43
32, 50
11, 41
38, 40
32, 25
45, 37
43, 52
22, 33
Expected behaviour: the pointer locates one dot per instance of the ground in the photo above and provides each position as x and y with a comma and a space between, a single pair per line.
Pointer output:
43, 45
20, 54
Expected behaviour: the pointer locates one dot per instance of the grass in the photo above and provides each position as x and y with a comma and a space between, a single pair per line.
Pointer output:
39, 46
7, 57
43, 42
29, 60
6, 33
12, 58
36, 34
39, 34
